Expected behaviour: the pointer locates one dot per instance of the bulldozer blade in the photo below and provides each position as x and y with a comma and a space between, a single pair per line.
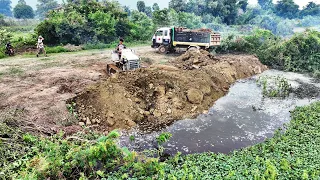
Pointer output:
112, 69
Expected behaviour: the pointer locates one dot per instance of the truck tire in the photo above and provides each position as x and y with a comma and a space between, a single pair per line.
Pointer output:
162, 49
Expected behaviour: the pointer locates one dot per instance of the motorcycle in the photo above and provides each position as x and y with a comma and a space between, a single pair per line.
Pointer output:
10, 51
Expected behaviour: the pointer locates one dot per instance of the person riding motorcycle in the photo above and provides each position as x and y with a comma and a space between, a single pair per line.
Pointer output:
9, 49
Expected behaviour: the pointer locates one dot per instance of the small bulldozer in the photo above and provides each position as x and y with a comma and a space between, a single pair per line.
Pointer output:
128, 60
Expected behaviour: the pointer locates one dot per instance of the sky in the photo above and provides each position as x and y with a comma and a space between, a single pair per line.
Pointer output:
163, 3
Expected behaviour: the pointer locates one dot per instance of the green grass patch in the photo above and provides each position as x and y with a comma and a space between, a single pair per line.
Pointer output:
56, 49
15, 71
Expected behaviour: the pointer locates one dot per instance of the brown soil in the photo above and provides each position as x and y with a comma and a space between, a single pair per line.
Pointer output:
158, 95
34, 91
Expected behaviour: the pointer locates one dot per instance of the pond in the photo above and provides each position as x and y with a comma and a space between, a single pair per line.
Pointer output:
241, 118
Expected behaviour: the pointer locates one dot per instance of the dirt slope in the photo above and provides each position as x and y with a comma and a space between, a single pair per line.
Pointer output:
156, 96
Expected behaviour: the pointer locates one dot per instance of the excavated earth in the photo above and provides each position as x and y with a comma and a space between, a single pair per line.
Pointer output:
154, 97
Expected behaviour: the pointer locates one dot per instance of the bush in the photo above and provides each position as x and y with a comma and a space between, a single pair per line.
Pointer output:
5, 37
309, 21
99, 46
301, 53
56, 49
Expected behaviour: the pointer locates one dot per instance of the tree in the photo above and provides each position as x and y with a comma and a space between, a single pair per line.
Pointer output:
44, 6
148, 11
311, 9
189, 20
142, 26
23, 11
141, 6
5, 7
265, 4
2, 21
155, 7
178, 5
127, 10
243, 5
161, 17
287, 9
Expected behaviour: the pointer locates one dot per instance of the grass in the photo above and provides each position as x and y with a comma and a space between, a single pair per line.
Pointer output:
61, 49
14, 71
293, 154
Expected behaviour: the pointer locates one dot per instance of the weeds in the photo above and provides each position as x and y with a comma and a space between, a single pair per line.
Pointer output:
146, 60
56, 49
131, 138
15, 71
274, 86
71, 108
293, 154
299, 54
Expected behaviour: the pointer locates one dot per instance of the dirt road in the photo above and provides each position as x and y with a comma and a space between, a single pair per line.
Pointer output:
34, 91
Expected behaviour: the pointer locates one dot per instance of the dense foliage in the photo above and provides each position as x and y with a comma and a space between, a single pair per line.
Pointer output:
5, 7
23, 11
45, 6
301, 53
92, 22
292, 154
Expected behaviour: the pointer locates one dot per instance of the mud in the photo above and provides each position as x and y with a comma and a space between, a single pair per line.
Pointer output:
156, 96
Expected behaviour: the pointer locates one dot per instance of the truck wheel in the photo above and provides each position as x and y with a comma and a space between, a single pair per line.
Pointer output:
162, 49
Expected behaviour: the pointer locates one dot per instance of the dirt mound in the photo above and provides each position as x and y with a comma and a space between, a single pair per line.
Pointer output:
157, 96
194, 59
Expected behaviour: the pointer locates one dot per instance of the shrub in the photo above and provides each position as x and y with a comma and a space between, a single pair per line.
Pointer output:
302, 52
56, 49
5, 37
99, 46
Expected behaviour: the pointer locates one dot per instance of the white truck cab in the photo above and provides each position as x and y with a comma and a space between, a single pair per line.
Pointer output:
169, 39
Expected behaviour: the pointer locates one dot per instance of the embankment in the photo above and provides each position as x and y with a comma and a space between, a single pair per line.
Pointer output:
158, 95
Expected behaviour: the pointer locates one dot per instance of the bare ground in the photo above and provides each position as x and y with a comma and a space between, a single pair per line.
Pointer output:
34, 91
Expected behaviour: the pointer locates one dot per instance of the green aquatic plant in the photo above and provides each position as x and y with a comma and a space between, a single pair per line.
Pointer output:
274, 86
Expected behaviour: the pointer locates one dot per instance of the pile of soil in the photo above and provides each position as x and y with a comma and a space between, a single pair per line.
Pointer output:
194, 59
157, 96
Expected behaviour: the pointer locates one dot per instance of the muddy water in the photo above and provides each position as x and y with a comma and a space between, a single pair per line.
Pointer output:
241, 118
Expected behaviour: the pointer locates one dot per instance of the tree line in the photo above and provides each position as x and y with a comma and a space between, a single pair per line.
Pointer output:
90, 21
24, 11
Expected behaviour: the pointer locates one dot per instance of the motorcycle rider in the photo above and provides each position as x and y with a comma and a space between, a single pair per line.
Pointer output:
9, 49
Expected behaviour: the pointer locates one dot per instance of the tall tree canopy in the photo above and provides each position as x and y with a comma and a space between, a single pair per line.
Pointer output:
178, 5
148, 11
44, 6
265, 4
287, 9
23, 11
155, 7
141, 6
5, 7
311, 9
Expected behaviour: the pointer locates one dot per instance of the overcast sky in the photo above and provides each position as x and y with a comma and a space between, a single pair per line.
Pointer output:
162, 3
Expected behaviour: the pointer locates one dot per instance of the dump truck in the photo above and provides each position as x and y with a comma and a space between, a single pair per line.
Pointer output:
179, 38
